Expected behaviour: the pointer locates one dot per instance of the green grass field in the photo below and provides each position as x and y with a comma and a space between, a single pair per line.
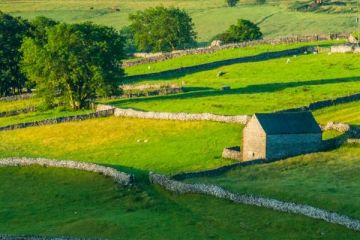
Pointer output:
57, 202
326, 180
39, 115
345, 113
6, 106
130, 144
262, 86
210, 16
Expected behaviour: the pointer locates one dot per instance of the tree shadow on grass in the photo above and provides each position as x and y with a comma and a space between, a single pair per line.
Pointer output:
250, 89
180, 72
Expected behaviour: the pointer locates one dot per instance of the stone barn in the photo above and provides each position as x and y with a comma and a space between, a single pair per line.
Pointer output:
279, 135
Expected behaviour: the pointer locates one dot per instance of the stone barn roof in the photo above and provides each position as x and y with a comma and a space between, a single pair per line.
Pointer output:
288, 123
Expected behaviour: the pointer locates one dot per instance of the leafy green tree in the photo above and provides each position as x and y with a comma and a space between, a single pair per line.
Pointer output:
162, 29
244, 30
76, 63
260, 2
12, 32
129, 44
39, 27
232, 3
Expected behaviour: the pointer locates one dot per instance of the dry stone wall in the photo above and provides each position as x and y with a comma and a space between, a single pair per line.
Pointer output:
17, 112
288, 207
118, 177
242, 119
104, 113
147, 58
232, 153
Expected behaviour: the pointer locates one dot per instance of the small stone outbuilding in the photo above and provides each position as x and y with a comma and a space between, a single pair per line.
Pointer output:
279, 135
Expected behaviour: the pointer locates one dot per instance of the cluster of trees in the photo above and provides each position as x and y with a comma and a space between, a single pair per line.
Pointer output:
244, 30
73, 62
233, 3
76, 63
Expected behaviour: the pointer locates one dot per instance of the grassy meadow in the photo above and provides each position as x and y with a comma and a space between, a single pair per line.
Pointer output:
257, 86
274, 18
134, 145
327, 180
6, 106
345, 113
59, 202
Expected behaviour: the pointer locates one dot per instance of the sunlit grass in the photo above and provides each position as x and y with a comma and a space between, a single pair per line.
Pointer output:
18, 104
263, 86
165, 146
326, 180
60, 202
345, 113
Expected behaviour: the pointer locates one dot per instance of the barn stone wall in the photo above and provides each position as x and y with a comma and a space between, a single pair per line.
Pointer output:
287, 145
254, 141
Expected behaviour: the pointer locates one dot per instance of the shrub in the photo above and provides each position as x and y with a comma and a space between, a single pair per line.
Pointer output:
232, 3
244, 30
162, 29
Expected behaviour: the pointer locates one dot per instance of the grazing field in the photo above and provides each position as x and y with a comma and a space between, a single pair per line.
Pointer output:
345, 113
130, 144
39, 115
79, 204
275, 18
261, 86
326, 180
6, 106
220, 55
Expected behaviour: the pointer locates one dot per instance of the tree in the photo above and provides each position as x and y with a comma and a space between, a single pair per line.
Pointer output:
162, 29
12, 32
260, 2
129, 43
77, 63
232, 3
39, 27
244, 30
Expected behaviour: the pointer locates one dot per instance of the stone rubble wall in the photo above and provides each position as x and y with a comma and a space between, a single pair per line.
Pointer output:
242, 119
232, 153
345, 49
118, 177
146, 58
98, 114
288, 207
17, 112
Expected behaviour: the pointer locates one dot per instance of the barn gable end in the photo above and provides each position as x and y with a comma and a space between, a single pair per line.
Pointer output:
280, 135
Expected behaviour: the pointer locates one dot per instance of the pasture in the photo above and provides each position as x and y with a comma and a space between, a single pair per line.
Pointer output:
133, 145
74, 203
63, 202
256, 86
274, 18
